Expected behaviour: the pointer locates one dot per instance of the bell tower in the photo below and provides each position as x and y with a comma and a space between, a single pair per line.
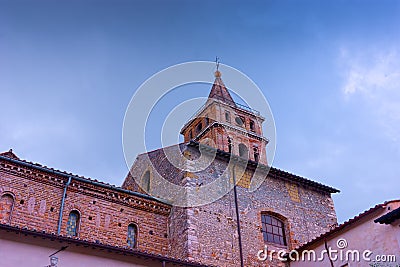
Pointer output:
223, 124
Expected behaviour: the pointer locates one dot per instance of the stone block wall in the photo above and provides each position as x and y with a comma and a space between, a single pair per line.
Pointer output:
208, 233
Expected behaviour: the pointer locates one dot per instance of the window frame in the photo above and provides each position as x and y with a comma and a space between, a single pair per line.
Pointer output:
256, 154
252, 125
273, 229
77, 223
199, 127
136, 229
227, 116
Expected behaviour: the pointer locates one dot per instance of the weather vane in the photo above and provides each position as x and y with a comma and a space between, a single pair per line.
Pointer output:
217, 62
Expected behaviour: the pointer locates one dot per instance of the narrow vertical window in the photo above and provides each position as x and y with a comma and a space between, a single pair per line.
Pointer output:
227, 116
229, 145
73, 223
132, 235
256, 154
273, 229
252, 128
146, 181
207, 120
190, 135
6, 207
199, 127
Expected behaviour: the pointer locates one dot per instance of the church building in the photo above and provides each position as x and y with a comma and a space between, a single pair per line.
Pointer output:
248, 205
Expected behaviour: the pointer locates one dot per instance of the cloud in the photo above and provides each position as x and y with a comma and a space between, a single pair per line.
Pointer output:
374, 77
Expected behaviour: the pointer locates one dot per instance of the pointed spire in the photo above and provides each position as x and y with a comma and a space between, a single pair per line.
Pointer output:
219, 90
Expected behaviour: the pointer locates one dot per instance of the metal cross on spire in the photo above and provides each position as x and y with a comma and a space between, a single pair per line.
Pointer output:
217, 62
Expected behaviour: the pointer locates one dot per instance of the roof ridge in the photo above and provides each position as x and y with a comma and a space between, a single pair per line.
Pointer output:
252, 163
80, 178
9, 154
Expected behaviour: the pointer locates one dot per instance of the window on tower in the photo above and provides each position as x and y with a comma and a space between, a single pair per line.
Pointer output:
199, 127
252, 127
229, 145
227, 116
256, 154
273, 229
239, 120
190, 135
207, 120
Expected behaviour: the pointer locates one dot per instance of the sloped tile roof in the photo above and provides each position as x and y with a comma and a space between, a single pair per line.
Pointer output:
344, 225
220, 92
390, 217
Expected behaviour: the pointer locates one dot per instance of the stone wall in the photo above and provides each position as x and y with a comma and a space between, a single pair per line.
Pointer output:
208, 233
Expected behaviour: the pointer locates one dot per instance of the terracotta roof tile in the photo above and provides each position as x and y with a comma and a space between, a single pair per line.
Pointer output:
220, 92
389, 217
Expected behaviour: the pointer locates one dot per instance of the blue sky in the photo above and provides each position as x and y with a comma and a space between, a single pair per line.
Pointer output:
329, 69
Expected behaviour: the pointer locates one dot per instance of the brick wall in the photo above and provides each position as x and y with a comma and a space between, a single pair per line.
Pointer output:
217, 136
104, 213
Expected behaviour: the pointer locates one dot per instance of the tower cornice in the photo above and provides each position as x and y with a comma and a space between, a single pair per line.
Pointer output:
231, 127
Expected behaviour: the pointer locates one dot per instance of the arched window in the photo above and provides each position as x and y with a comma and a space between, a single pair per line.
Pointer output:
252, 128
229, 145
6, 207
227, 116
199, 127
73, 223
256, 154
273, 229
243, 151
132, 235
146, 181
